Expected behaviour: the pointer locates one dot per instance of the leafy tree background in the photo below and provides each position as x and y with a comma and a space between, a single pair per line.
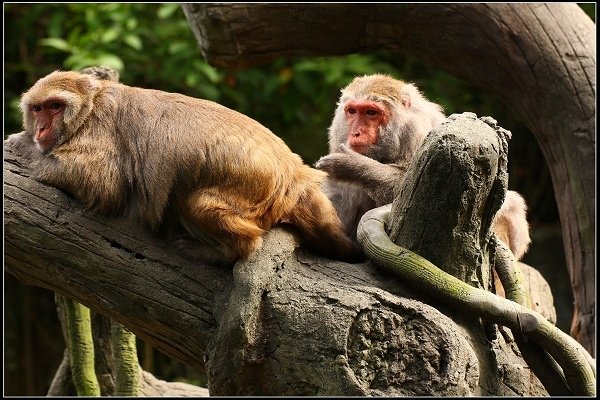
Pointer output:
152, 46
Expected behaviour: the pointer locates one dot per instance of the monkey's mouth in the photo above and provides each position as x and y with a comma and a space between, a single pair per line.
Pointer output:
45, 143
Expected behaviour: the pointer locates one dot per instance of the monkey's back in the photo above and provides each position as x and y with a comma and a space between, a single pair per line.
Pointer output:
216, 146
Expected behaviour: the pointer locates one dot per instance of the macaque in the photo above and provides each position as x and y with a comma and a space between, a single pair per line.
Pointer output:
379, 124
160, 157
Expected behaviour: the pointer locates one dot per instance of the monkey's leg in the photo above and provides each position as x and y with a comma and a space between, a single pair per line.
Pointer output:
227, 235
318, 222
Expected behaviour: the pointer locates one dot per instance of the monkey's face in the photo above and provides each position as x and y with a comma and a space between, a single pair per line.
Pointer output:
364, 119
57, 105
46, 120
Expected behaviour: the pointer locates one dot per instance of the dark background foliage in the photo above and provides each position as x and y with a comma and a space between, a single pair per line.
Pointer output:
152, 46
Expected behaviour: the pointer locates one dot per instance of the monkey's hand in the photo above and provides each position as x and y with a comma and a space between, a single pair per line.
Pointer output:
376, 178
345, 164
337, 165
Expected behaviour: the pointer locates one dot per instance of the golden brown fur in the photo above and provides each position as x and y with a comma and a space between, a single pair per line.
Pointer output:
228, 179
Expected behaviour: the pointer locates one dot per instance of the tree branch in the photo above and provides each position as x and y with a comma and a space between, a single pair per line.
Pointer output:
116, 268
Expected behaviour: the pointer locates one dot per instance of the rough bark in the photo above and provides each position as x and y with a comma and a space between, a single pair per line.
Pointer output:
472, 155
281, 323
62, 381
537, 57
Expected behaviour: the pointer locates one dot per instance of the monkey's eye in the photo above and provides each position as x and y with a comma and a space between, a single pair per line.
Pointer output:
36, 108
371, 112
351, 110
55, 105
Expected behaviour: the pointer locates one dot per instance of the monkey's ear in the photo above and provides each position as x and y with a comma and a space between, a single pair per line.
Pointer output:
411, 96
406, 100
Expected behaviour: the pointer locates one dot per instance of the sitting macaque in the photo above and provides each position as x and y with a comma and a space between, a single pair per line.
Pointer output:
223, 177
379, 124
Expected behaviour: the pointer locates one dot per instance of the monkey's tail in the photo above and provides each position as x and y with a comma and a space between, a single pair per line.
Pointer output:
318, 222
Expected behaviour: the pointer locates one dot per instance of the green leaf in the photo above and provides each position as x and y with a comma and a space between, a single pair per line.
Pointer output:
166, 10
211, 73
110, 60
77, 61
209, 92
133, 41
191, 80
56, 43
109, 35
82, 60
131, 23
55, 27
177, 46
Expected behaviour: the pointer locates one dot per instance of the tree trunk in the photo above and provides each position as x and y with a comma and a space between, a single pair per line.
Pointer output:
539, 58
283, 322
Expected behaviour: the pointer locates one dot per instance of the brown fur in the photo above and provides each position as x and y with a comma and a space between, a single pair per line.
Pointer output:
125, 149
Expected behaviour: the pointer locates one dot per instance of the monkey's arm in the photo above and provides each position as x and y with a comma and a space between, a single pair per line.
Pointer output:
376, 178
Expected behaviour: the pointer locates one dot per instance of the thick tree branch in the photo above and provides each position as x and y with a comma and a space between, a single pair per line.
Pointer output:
112, 266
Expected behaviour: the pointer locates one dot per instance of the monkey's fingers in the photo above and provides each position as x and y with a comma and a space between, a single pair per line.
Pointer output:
347, 150
324, 163
334, 160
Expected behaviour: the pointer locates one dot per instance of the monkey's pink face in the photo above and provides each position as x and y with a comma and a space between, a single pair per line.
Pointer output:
364, 118
47, 117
